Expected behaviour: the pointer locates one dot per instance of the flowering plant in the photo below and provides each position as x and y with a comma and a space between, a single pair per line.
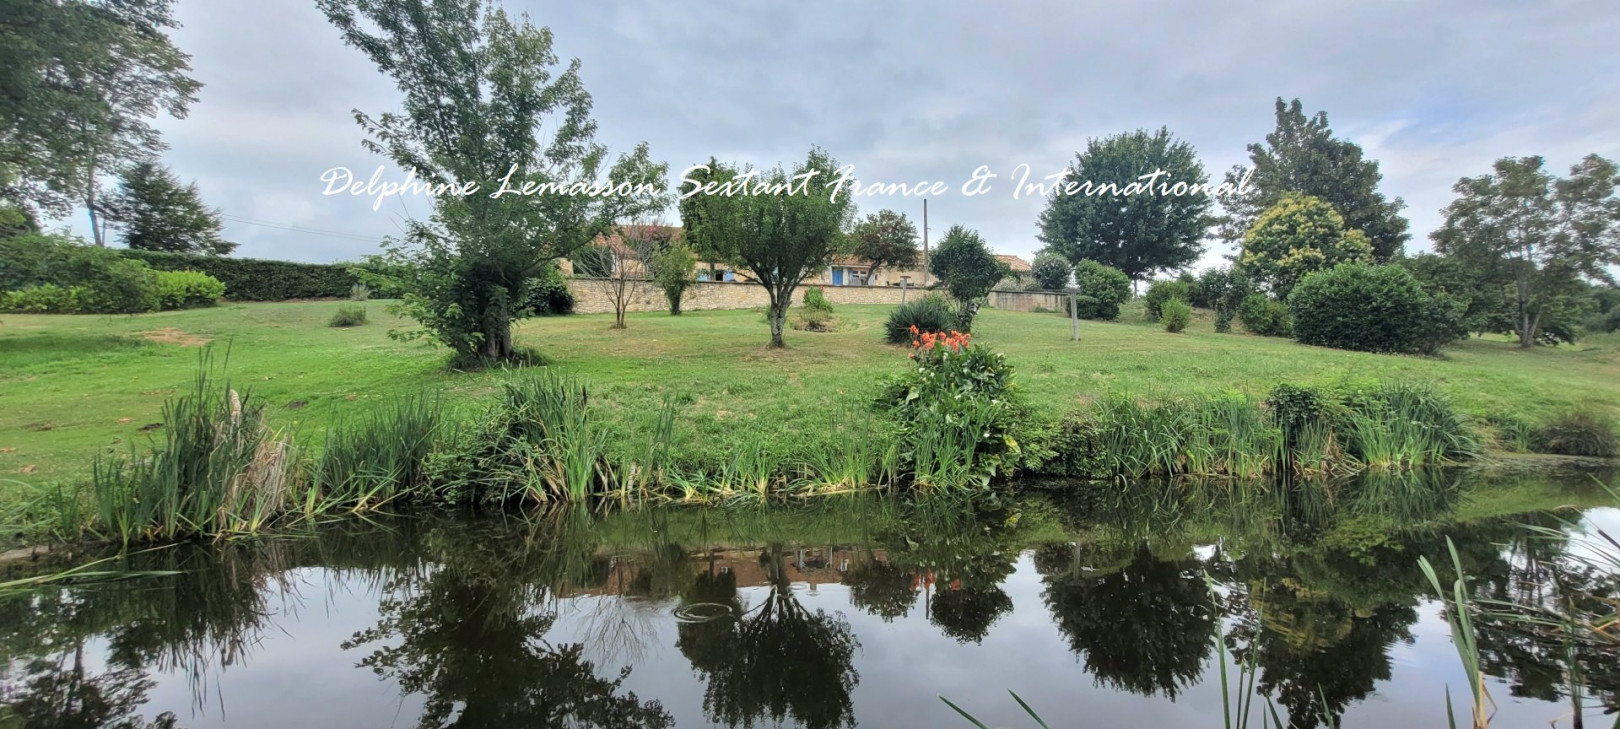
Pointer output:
956, 392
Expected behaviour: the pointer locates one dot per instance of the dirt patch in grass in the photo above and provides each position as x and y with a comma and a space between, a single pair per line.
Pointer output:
171, 335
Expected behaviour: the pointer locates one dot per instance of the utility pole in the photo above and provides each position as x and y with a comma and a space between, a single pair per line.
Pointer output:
925, 243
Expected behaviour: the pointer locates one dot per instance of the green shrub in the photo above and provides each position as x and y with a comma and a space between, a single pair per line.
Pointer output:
956, 410
1160, 292
187, 290
107, 283
44, 299
1263, 316
359, 292
1049, 272
1175, 314
348, 315
815, 300
1370, 308
1108, 286
1581, 432
930, 313
548, 294
248, 279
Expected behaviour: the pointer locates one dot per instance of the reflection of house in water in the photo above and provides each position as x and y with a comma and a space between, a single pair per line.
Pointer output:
802, 565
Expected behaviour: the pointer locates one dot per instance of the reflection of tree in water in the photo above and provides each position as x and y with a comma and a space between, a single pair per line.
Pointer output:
967, 612
62, 695
1314, 649
881, 588
1144, 627
779, 661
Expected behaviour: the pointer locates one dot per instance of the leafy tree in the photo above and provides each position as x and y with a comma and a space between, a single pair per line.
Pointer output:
1302, 157
1537, 234
83, 79
1050, 271
1140, 234
158, 213
1106, 286
782, 227
672, 269
480, 92
1298, 235
1485, 302
886, 239
967, 268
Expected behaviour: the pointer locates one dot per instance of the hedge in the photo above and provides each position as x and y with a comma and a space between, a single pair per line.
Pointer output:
249, 279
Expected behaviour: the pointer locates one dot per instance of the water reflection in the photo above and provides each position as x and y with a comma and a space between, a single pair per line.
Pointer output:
790, 616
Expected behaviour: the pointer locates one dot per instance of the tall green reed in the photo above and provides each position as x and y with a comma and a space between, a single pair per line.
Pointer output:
376, 458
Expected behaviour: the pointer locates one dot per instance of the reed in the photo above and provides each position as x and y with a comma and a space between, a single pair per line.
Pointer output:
376, 458
217, 469
550, 433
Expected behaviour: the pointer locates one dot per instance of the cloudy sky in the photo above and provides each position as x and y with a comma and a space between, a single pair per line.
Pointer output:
911, 91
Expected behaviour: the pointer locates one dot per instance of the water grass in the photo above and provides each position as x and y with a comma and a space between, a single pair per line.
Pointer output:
377, 457
216, 469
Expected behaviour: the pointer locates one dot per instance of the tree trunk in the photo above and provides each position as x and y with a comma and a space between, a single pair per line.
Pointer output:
1527, 334
778, 314
497, 343
675, 304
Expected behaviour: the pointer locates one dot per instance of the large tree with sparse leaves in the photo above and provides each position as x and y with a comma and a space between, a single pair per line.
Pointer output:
1301, 156
1535, 234
781, 226
1140, 234
81, 82
482, 92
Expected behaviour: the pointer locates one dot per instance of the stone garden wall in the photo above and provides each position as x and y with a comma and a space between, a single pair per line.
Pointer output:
590, 298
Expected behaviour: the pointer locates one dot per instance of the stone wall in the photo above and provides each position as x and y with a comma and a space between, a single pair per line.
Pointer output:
591, 298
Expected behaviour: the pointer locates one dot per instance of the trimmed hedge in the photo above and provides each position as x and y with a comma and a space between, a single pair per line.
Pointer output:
1370, 308
251, 279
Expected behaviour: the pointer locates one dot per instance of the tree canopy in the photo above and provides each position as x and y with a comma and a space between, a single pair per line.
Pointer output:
1535, 234
886, 239
82, 81
1298, 235
1302, 157
968, 270
781, 227
1140, 234
485, 104
156, 212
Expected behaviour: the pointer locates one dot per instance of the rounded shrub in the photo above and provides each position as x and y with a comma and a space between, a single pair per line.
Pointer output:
815, 300
187, 290
1370, 308
1175, 315
1160, 292
931, 313
1263, 316
1109, 286
45, 299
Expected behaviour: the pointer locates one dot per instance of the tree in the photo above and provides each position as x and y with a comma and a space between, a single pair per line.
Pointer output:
479, 87
1302, 157
886, 239
1298, 235
672, 270
964, 264
83, 80
1139, 233
1102, 290
1536, 234
1050, 271
157, 213
780, 226
630, 252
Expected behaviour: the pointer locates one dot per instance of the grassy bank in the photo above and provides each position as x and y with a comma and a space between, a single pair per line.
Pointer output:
73, 387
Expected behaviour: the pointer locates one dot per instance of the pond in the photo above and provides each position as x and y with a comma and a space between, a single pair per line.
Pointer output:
1098, 611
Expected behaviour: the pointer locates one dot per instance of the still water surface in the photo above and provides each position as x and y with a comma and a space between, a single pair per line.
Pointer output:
856, 612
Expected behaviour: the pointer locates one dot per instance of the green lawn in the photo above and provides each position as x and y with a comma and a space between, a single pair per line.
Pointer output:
75, 386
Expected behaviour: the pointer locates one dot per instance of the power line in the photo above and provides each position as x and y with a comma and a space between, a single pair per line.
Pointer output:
300, 229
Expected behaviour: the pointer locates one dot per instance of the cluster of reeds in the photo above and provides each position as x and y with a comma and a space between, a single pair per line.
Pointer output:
1306, 432
377, 457
217, 469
